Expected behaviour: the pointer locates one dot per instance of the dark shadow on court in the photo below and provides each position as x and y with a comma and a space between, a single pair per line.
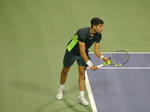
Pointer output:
39, 89
73, 107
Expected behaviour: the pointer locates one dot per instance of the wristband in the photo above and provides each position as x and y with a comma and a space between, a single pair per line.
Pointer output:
101, 57
89, 63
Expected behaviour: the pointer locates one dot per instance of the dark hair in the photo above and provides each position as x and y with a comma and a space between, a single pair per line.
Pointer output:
96, 21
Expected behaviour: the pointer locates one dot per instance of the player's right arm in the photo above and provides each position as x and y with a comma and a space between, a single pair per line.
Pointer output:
84, 55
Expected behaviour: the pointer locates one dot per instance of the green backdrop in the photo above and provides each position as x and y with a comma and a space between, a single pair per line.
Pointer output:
33, 38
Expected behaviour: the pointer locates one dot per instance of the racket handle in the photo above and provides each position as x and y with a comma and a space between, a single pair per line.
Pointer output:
99, 66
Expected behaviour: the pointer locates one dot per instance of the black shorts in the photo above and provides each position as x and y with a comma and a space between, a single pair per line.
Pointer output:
70, 58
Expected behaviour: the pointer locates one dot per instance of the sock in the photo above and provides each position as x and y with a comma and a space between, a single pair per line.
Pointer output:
62, 86
81, 93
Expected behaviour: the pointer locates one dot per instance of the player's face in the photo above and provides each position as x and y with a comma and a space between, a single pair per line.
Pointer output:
98, 28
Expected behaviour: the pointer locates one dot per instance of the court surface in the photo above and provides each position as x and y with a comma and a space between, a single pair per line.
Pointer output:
33, 39
121, 89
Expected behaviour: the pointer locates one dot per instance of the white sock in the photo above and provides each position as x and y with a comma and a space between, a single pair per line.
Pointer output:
81, 93
62, 86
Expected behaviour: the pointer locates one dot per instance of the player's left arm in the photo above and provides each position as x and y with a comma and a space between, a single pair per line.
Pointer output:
98, 53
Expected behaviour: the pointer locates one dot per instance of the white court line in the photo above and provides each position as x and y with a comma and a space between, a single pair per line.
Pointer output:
88, 87
128, 52
123, 68
93, 105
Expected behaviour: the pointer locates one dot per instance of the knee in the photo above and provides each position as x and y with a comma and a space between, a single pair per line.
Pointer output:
82, 75
81, 70
65, 70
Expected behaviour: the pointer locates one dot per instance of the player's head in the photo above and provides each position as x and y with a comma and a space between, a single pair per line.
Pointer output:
97, 24
96, 21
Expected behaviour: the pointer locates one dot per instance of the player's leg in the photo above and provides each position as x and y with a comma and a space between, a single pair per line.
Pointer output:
81, 80
63, 78
64, 75
67, 62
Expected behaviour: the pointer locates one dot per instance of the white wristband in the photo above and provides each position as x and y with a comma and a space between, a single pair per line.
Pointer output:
89, 63
101, 57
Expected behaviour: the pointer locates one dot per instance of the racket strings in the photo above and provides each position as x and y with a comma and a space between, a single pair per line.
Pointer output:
119, 58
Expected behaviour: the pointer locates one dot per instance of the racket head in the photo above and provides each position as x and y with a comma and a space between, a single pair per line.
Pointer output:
119, 58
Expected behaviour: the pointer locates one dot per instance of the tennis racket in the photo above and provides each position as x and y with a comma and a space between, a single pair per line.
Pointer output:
118, 58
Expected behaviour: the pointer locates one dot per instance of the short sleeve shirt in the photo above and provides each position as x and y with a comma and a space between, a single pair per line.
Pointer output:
83, 35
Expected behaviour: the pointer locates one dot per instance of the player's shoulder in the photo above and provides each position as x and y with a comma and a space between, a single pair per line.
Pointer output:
84, 30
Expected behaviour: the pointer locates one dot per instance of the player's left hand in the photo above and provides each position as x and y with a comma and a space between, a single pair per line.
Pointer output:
105, 59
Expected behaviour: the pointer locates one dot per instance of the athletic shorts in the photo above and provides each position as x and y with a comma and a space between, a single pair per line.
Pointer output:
70, 58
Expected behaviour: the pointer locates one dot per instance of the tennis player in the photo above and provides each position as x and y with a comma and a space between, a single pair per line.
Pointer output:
77, 50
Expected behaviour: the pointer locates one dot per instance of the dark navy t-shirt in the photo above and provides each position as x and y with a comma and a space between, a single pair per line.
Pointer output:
83, 35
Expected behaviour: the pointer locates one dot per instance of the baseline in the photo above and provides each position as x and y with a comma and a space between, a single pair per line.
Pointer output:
90, 94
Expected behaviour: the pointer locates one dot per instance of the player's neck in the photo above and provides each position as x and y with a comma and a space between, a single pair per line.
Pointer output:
92, 32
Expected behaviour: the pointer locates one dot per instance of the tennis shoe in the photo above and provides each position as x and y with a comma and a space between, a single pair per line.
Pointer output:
82, 100
60, 93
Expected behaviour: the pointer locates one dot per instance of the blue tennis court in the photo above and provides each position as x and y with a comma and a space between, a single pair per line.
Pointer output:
121, 89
